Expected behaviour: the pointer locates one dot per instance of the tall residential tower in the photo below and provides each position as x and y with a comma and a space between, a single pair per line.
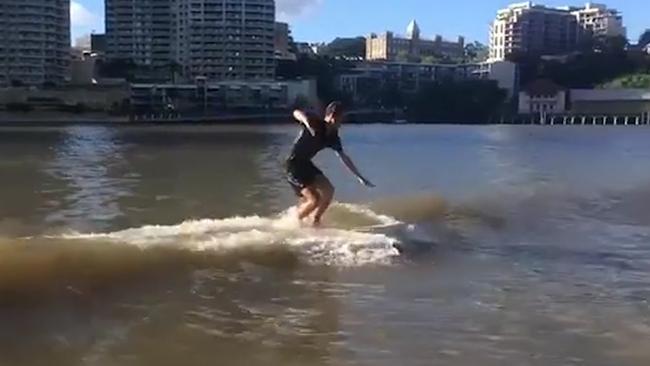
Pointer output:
600, 21
34, 41
215, 39
528, 28
532, 29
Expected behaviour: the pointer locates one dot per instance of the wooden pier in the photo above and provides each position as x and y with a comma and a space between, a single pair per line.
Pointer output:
579, 119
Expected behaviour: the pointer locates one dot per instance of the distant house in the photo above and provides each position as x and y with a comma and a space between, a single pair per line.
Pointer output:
647, 48
542, 96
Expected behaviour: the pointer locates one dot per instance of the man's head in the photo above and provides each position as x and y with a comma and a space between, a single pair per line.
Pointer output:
334, 113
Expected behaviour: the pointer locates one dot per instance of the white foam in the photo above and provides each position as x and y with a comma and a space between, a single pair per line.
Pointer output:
332, 246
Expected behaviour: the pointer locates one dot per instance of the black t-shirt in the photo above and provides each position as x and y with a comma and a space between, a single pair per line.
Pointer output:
307, 146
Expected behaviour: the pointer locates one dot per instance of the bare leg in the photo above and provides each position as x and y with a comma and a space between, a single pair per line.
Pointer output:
309, 202
326, 192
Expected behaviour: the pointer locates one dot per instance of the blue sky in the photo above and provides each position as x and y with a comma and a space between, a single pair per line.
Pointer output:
323, 20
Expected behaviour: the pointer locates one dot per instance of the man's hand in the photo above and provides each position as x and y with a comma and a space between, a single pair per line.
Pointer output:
303, 118
366, 182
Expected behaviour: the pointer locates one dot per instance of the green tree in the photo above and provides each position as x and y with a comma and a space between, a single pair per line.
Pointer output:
644, 39
469, 101
346, 48
476, 51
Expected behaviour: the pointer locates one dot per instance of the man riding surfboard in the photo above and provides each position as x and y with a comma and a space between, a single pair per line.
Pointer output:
309, 182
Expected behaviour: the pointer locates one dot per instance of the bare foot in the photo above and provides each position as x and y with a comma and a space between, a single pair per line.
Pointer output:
316, 223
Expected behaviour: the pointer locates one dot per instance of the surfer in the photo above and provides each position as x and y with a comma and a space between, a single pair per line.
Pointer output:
310, 184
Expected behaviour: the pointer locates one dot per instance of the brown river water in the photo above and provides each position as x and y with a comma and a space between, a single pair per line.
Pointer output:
499, 245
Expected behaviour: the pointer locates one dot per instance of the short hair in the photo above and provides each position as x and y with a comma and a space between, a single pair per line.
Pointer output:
334, 109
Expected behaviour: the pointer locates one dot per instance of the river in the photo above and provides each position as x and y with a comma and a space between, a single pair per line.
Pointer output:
502, 245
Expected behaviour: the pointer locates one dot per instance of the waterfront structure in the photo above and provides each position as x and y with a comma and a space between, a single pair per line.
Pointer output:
599, 21
407, 77
610, 101
35, 42
389, 46
67, 97
210, 97
542, 96
215, 39
528, 28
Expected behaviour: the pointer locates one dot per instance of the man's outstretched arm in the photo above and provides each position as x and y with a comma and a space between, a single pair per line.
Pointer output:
303, 118
353, 169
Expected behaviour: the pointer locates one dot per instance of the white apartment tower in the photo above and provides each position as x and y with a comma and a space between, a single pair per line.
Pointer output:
215, 39
529, 28
599, 21
536, 29
34, 41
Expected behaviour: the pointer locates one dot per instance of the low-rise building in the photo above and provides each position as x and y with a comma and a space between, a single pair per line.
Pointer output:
409, 77
389, 46
224, 95
542, 97
96, 98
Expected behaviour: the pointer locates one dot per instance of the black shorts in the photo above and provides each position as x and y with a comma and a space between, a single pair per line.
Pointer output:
301, 174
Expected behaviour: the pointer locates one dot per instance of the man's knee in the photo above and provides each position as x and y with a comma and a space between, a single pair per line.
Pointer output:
328, 192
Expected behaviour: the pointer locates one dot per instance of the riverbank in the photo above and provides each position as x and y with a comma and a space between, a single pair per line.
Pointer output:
275, 117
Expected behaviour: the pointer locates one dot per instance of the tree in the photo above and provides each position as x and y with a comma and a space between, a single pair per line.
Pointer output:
324, 69
644, 40
476, 51
118, 68
403, 56
611, 45
346, 48
468, 101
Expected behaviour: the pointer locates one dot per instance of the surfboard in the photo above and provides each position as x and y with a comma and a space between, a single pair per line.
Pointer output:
382, 228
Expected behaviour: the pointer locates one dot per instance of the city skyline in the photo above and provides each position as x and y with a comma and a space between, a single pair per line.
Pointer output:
310, 19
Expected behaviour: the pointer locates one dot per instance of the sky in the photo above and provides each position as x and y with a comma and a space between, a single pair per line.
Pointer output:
324, 20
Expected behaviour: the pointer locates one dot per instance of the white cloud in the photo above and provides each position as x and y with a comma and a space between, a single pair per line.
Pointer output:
82, 17
291, 9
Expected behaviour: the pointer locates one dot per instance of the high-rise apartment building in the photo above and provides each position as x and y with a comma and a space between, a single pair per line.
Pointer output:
282, 41
215, 39
532, 29
34, 41
391, 47
600, 21
536, 29
140, 30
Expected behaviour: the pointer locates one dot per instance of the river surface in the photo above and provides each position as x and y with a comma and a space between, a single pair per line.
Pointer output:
498, 245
